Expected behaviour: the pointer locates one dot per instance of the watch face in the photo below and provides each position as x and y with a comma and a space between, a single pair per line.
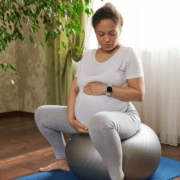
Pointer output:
109, 89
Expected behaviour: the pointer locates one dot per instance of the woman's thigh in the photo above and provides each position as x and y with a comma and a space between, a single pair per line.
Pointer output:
126, 124
54, 117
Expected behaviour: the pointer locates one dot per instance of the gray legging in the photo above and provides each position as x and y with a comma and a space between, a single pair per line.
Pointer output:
106, 130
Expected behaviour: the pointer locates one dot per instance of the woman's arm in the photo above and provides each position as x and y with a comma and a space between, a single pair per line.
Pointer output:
135, 91
71, 105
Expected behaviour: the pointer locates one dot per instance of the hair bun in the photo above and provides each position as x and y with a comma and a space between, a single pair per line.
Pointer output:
111, 6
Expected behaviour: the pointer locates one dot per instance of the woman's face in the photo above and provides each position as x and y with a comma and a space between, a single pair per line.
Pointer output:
107, 33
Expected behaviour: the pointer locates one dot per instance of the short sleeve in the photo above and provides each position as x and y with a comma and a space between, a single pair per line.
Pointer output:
79, 68
134, 68
80, 65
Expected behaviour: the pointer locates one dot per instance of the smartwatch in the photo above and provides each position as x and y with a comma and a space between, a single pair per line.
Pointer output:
109, 90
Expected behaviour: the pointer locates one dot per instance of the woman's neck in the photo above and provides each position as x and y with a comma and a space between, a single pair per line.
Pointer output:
111, 51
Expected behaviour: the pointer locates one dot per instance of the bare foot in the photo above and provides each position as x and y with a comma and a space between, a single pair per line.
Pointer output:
59, 165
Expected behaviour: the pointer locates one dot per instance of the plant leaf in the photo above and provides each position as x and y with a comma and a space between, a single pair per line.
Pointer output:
31, 39
64, 45
27, 20
80, 49
42, 45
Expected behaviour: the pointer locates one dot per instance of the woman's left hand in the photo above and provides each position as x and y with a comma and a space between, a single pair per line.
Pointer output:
95, 88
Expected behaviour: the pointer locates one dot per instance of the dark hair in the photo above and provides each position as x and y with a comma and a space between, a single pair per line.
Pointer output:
108, 11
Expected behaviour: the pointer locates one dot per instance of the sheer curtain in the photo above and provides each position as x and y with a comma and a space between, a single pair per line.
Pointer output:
152, 29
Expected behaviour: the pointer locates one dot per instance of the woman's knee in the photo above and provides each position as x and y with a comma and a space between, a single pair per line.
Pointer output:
101, 121
38, 113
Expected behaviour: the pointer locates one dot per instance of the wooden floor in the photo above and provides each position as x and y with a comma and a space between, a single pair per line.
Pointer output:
23, 149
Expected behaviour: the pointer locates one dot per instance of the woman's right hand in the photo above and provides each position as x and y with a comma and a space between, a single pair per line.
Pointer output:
79, 127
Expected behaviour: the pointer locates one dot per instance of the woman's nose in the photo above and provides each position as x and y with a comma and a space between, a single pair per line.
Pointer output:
106, 38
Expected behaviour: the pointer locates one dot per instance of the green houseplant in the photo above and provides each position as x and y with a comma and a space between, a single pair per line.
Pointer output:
47, 10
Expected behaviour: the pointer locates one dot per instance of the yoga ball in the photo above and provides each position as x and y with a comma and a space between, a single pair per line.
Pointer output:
141, 156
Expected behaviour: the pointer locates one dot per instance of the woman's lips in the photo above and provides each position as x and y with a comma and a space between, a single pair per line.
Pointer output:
107, 45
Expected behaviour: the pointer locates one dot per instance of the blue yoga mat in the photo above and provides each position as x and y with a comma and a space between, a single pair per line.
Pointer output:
167, 170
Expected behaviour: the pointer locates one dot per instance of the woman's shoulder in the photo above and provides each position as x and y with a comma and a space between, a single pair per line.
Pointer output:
90, 51
126, 47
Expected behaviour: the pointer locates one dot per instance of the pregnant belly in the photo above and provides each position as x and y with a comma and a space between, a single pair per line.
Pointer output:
88, 105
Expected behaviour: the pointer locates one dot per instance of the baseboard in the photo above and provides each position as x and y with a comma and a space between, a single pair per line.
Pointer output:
11, 114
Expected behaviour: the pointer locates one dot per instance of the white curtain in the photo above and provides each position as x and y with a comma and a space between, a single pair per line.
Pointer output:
152, 28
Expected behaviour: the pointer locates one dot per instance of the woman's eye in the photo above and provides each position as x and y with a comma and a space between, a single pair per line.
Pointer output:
110, 34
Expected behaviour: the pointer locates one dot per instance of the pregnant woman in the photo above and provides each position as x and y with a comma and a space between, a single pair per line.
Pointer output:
99, 101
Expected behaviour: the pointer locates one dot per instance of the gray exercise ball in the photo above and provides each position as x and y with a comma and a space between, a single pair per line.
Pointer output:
141, 156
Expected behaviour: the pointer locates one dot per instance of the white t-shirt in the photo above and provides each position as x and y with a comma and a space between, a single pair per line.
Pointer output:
124, 64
